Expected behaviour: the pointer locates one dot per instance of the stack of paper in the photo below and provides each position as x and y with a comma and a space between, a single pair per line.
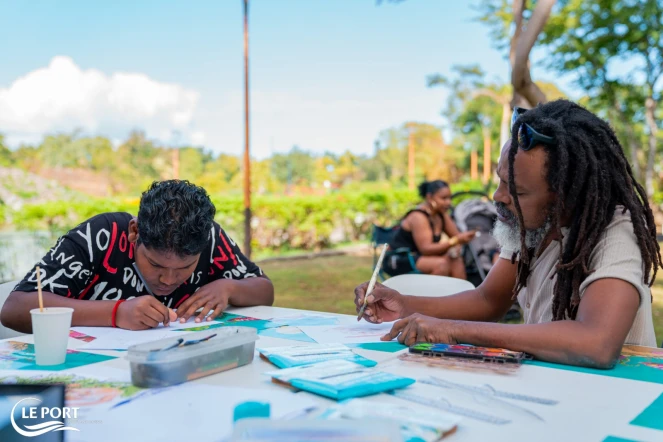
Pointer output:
339, 379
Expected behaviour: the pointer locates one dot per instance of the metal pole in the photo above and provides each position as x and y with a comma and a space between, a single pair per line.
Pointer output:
247, 157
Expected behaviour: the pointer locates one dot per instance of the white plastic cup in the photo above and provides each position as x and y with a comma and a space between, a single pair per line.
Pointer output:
50, 330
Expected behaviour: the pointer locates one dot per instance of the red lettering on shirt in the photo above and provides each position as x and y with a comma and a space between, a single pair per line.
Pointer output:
86, 289
110, 269
123, 237
230, 251
219, 259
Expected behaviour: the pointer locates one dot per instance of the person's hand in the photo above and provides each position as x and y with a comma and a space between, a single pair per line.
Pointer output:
455, 252
142, 313
466, 237
420, 328
212, 297
384, 304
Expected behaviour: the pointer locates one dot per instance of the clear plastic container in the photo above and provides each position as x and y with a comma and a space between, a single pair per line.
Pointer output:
154, 364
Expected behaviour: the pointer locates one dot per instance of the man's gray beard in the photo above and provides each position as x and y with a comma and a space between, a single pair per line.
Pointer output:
508, 236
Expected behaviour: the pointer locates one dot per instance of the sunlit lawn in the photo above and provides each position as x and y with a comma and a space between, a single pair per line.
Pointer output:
327, 284
323, 284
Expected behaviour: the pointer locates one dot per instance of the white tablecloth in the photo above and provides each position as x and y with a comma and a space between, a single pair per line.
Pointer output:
590, 407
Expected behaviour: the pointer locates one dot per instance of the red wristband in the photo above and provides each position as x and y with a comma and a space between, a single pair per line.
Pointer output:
113, 316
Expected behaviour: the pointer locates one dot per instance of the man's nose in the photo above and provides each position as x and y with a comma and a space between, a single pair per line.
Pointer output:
502, 195
168, 278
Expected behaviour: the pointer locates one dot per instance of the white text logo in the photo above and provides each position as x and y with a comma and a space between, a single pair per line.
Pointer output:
42, 413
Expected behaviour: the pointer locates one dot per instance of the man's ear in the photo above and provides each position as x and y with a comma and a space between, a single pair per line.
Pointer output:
133, 231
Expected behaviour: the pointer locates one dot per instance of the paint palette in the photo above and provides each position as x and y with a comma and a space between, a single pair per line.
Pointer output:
483, 354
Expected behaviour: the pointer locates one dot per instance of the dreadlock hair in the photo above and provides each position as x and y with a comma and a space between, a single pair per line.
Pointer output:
589, 173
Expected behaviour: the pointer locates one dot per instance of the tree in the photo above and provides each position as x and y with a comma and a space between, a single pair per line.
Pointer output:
220, 173
589, 39
192, 162
392, 154
140, 162
348, 168
295, 167
60, 151
27, 158
473, 108
433, 158
514, 22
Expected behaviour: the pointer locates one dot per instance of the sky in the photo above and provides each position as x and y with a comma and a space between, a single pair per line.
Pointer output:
324, 75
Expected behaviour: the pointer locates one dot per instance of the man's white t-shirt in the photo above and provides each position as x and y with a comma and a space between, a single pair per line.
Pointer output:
616, 255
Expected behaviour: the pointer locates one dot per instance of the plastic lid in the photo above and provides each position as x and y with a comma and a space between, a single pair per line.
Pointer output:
251, 409
224, 338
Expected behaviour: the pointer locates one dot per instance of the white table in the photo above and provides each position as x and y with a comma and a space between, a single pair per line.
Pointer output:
590, 407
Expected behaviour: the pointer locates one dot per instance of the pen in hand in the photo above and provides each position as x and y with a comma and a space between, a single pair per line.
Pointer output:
371, 284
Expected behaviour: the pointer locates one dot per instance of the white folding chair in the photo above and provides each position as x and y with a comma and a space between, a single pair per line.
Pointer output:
427, 285
5, 290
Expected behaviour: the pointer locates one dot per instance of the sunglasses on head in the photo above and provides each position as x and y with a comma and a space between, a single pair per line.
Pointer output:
528, 137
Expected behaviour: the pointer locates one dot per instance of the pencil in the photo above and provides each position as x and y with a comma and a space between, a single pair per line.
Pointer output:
371, 284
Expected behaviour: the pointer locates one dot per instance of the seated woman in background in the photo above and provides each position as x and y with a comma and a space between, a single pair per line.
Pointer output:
421, 231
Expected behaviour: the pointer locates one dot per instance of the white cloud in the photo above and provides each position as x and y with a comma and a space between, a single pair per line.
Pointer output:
64, 97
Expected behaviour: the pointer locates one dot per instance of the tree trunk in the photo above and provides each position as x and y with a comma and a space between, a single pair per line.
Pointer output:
505, 127
522, 42
474, 165
650, 108
486, 155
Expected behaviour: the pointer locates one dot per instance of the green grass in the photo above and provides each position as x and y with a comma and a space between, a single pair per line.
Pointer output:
327, 284
322, 284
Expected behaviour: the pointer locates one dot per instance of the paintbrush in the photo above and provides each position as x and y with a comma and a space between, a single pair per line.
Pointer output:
371, 284
41, 299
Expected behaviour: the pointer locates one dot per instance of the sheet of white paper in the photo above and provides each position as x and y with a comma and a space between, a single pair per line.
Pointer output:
348, 333
305, 319
119, 339
99, 332
178, 413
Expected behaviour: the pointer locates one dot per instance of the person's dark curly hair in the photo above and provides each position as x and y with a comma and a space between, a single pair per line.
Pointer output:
588, 171
175, 216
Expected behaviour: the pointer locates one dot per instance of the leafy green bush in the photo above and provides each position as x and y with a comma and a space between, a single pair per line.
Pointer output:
279, 222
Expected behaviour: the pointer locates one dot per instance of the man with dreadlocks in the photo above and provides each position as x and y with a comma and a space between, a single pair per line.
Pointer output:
579, 251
